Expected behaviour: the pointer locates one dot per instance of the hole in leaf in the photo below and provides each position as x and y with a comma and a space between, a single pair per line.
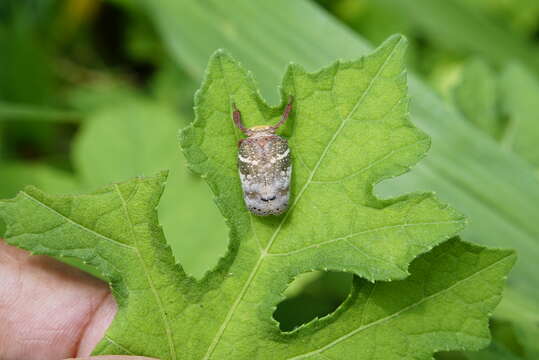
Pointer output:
310, 296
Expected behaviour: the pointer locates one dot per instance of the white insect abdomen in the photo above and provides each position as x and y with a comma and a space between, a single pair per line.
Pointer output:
264, 166
265, 171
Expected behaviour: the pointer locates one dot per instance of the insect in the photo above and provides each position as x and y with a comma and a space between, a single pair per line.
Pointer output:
264, 166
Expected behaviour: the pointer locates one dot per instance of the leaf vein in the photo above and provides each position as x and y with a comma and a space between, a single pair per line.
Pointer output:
158, 299
397, 313
330, 143
372, 164
256, 267
344, 238
106, 337
76, 224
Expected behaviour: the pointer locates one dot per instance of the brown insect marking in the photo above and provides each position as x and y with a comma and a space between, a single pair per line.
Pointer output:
264, 166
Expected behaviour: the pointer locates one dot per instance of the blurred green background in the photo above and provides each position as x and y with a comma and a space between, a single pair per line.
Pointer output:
94, 92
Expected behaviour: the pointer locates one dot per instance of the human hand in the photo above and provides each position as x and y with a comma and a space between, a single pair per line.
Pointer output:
49, 310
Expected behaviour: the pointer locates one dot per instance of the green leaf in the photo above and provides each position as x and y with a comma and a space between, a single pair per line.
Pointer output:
458, 26
131, 138
483, 97
494, 351
520, 16
100, 94
496, 189
171, 85
137, 137
442, 305
357, 107
517, 98
347, 109
339, 112
527, 332
477, 96
16, 175
519, 94
26, 69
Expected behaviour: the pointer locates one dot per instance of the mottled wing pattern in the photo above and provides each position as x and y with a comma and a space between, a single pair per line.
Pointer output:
265, 170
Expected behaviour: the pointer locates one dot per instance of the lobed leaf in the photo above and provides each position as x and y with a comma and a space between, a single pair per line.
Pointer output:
494, 188
349, 130
443, 304
137, 136
476, 97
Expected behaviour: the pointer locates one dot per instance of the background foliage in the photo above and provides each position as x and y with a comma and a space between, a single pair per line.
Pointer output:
94, 91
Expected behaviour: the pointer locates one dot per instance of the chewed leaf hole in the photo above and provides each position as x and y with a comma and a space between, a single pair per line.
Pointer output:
310, 296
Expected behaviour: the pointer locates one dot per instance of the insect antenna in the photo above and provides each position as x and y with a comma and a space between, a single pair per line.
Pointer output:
236, 115
286, 112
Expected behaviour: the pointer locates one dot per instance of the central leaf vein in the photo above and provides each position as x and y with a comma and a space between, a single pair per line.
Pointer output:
159, 301
322, 157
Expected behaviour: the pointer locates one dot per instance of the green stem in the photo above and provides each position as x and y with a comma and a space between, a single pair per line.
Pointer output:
29, 112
